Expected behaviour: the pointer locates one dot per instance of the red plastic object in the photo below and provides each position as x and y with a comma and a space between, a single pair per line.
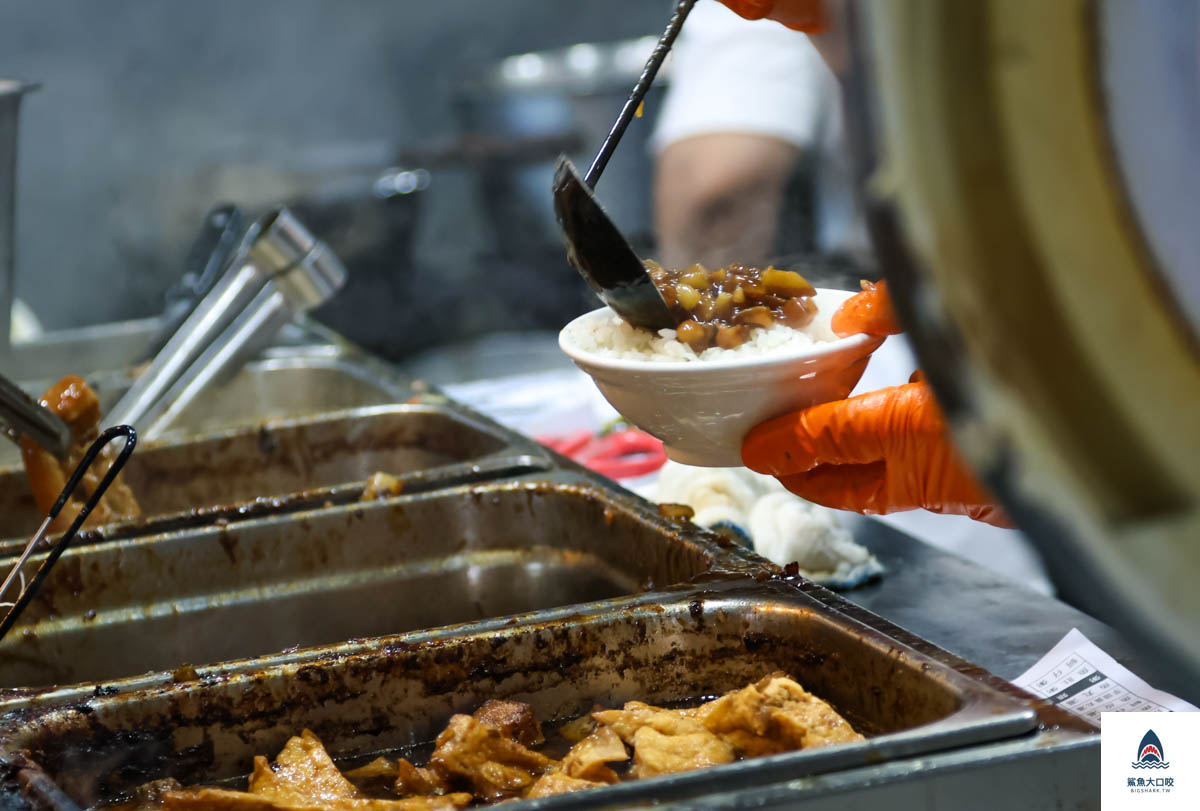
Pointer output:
622, 454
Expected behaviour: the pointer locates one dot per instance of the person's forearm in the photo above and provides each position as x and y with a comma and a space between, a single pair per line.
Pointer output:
718, 198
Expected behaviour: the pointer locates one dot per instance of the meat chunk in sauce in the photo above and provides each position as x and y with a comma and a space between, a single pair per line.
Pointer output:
514, 719
75, 402
723, 307
493, 763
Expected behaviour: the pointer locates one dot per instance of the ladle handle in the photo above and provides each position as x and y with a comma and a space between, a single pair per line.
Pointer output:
639, 92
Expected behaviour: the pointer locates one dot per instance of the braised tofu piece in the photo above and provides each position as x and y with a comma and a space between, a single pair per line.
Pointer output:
302, 778
216, 799
378, 769
575, 731
552, 783
490, 754
302, 772
637, 714
495, 765
665, 741
412, 779
589, 758
382, 485
655, 754
401, 776
775, 715
148, 796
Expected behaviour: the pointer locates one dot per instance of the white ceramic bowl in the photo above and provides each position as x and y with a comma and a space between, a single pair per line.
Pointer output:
702, 410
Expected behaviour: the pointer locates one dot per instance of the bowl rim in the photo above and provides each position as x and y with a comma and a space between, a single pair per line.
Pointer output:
815, 350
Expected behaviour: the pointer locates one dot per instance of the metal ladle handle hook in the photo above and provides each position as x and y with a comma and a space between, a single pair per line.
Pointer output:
682, 9
28, 593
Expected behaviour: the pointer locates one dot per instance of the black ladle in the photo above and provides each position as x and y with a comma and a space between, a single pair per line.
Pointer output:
595, 246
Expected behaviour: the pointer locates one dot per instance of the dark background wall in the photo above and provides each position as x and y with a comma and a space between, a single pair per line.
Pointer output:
152, 111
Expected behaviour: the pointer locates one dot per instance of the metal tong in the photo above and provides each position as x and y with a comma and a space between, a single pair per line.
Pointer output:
279, 271
24, 415
28, 591
210, 254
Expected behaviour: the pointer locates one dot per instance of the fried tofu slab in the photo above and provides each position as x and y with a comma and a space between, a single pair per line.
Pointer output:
489, 756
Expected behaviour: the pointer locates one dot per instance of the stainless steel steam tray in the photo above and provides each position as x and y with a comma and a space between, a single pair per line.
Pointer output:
396, 693
209, 594
296, 381
290, 464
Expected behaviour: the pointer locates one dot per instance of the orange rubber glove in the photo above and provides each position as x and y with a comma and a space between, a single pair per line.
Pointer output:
886, 451
808, 16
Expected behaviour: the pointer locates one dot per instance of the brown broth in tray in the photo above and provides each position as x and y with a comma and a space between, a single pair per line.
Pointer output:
501, 752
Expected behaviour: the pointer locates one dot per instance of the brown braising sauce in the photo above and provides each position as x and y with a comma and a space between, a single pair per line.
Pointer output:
722, 307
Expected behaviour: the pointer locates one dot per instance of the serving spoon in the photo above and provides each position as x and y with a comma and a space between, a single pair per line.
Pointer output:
595, 246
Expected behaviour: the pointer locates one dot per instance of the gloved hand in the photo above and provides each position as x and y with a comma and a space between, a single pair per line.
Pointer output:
886, 451
808, 16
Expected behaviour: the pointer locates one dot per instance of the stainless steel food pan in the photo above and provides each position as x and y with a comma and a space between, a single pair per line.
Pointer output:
291, 383
396, 693
220, 592
290, 464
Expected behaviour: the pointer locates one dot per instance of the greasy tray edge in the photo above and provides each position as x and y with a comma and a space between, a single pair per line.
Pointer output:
986, 714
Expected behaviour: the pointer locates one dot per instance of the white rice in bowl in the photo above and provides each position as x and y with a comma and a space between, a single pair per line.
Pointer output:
613, 337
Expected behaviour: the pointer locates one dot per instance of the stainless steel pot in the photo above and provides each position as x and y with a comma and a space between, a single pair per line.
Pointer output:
573, 92
11, 93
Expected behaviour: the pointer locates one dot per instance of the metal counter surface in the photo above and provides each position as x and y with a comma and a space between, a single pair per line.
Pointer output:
983, 617
995, 623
